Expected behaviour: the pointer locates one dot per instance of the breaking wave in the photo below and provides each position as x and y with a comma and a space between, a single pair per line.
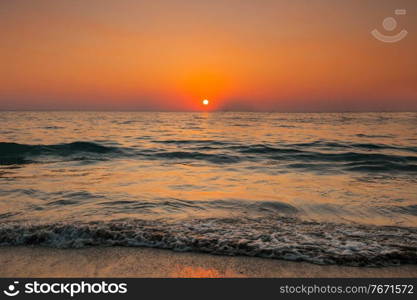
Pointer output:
281, 238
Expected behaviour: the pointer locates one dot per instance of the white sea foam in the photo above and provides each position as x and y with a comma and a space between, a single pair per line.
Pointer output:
281, 238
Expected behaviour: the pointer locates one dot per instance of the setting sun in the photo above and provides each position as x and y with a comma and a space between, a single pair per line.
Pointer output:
205, 102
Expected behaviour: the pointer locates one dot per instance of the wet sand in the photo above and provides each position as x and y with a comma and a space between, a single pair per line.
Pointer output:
146, 262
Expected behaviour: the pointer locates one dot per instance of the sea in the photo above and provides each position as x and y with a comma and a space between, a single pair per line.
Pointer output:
326, 188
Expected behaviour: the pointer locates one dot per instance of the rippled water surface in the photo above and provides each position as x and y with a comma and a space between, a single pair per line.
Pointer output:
316, 180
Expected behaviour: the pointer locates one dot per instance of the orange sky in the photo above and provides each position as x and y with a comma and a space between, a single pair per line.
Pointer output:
266, 55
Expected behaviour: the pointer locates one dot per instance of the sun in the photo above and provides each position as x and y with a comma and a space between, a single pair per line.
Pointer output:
206, 102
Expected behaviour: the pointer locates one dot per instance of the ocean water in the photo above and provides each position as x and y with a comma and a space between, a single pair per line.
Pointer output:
325, 188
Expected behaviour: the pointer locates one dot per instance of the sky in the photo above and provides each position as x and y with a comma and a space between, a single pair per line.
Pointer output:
242, 55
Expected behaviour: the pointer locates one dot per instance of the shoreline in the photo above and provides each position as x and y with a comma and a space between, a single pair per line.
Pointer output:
36, 261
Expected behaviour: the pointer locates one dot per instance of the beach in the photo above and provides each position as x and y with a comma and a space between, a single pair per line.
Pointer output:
147, 262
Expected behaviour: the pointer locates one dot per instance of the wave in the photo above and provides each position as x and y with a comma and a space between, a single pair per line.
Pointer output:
294, 157
362, 135
291, 147
14, 153
316, 145
313, 156
281, 238
192, 155
181, 142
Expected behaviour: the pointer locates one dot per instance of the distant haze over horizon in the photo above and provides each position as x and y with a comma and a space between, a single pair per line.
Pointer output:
169, 55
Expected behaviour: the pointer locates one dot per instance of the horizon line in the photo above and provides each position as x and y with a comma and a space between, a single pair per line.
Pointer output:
204, 111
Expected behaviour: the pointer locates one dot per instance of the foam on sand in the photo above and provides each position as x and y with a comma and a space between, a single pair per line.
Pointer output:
280, 238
